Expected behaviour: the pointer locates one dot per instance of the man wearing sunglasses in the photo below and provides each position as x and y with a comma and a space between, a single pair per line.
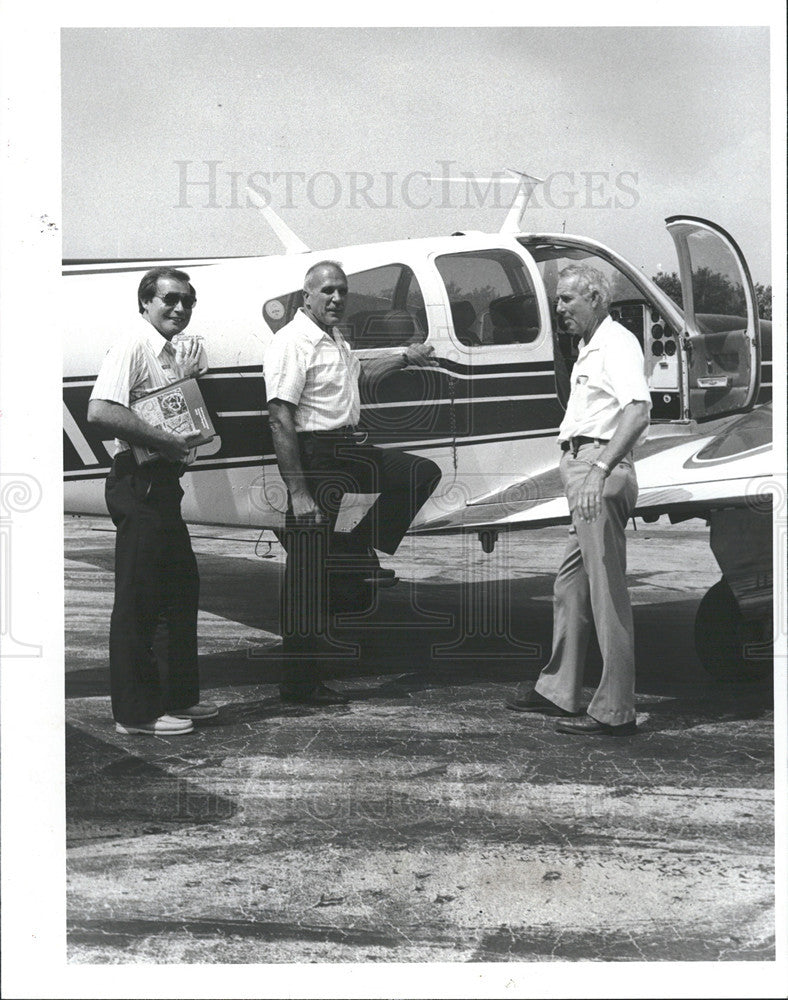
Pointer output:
155, 569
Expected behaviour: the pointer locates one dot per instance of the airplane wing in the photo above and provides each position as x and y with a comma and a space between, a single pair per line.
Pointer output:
726, 464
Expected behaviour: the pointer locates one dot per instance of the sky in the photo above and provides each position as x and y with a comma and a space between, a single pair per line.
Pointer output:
625, 125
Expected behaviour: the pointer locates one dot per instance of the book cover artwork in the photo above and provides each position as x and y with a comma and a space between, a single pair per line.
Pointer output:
178, 407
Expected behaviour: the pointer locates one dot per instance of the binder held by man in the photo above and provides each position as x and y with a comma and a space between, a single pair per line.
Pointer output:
178, 407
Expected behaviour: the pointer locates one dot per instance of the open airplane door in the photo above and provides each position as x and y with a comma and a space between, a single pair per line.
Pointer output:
721, 343
722, 357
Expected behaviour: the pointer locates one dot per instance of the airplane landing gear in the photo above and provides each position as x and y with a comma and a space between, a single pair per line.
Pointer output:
730, 647
488, 538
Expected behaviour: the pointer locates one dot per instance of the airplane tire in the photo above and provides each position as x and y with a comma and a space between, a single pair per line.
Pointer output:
722, 638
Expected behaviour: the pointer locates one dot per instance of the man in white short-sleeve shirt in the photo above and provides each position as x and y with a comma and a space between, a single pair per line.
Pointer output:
315, 371
606, 416
155, 569
312, 387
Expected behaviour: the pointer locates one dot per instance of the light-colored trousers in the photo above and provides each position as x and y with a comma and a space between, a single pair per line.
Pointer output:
591, 586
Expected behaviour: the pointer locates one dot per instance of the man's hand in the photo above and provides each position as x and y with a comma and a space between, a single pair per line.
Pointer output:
634, 420
305, 509
176, 447
188, 357
589, 500
281, 419
374, 369
421, 355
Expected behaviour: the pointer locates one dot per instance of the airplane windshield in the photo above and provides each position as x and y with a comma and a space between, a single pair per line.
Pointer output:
552, 257
630, 305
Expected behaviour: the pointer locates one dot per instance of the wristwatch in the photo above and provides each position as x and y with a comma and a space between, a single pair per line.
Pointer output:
603, 466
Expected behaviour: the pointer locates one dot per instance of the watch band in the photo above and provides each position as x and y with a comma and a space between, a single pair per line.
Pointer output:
603, 466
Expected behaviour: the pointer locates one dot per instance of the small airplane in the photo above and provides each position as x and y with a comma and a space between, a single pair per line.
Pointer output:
488, 413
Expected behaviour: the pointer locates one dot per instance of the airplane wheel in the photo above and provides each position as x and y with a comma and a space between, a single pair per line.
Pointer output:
721, 636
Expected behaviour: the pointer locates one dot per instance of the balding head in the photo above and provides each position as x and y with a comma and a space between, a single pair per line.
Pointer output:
317, 272
325, 293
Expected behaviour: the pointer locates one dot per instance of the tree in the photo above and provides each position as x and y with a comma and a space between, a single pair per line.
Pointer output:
671, 284
763, 294
715, 293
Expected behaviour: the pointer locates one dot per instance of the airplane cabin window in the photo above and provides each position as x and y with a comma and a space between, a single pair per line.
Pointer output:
491, 298
385, 308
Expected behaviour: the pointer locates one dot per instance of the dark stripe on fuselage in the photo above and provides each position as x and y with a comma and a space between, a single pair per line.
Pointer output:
421, 404
426, 407
135, 266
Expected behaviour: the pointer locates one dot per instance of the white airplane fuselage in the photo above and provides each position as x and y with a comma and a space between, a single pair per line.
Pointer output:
488, 414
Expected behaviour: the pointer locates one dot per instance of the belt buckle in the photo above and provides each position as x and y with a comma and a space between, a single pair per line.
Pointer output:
359, 437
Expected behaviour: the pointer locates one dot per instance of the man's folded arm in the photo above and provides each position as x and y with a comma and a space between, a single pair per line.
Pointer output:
117, 420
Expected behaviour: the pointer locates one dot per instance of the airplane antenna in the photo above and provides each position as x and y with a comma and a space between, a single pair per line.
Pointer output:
287, 237
513, 221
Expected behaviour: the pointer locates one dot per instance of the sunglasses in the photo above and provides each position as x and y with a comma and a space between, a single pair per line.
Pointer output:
171, 299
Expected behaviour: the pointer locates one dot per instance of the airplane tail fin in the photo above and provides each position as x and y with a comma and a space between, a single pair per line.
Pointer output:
513, 221
525, 186
287, 237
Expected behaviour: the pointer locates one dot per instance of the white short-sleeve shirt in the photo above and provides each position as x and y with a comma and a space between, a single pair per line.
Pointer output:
137, 363
315, 371
607, 376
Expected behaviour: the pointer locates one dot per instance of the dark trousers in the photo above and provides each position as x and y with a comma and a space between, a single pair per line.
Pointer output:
317, 582
155, 578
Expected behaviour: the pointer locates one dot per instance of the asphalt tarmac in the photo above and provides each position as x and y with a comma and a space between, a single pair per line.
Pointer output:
423, 822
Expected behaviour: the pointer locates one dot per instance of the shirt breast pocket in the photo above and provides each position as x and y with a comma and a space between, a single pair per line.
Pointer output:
579, 393
323, 372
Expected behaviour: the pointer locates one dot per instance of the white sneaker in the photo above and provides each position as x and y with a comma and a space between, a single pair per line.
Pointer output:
165, 725
204, 710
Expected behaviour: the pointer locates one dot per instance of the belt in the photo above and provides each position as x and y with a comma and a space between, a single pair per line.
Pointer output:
126, 464
575, 442
347, 433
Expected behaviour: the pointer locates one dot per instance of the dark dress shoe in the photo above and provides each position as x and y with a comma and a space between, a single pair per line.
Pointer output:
374, 562
588, 726
379, 577
311, 694
370, 570
536, 703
